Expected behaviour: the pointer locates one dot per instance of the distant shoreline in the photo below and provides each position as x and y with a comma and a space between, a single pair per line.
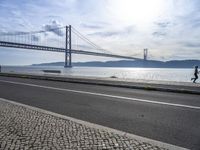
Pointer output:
131, 64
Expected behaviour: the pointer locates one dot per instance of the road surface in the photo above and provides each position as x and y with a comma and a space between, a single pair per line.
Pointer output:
173, 118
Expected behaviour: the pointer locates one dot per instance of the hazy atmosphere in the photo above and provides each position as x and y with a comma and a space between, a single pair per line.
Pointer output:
100, 74
169, 29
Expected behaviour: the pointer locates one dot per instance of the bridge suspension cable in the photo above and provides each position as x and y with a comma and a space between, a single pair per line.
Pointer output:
55, 40
33, 32
84, 38
42, 37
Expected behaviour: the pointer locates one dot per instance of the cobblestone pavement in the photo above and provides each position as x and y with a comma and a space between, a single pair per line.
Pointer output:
24, 128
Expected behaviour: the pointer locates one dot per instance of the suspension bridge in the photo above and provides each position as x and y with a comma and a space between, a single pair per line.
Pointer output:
66, 40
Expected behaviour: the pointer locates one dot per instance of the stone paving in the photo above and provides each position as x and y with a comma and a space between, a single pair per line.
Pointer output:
25, 128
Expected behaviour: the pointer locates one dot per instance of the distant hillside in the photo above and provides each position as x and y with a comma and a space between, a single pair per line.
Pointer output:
129, 63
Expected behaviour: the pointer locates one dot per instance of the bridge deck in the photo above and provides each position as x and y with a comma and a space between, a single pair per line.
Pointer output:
55, 49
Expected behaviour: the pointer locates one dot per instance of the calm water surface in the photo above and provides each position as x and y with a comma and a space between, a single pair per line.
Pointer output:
163, 74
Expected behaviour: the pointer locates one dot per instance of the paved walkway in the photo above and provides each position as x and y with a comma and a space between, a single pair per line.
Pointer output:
24, 128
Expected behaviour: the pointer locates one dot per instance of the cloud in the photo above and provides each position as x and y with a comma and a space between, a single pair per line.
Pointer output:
54, 16
91, 26
126, 31
163, 24
175, 32
54, 27
105, 34
191, 44
195, 23
161, 29
159, 34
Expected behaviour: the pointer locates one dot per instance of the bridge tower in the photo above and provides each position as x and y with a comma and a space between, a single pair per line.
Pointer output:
145, 53
68, 47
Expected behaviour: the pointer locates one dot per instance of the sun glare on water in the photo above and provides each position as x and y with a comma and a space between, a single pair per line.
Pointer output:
136, 11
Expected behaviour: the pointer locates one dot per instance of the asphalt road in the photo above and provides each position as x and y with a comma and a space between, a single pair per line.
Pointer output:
168, 117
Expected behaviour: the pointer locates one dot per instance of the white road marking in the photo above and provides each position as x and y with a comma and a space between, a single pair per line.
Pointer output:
104, 95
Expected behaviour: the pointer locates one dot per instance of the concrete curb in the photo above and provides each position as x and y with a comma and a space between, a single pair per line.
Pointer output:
96, 126
151, 87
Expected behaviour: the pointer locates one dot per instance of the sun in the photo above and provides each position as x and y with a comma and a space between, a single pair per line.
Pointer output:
136, 11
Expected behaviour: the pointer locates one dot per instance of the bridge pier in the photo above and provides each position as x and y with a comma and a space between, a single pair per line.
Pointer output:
145, 54
68, 53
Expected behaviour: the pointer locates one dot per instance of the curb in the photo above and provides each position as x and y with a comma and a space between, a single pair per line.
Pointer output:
96, 126
149, 87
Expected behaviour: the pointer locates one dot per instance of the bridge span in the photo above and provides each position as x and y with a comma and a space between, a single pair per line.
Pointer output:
30, 40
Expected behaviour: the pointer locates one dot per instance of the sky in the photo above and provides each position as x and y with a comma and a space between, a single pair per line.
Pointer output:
170, 29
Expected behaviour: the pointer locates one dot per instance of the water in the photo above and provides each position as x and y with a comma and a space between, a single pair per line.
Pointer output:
162, 74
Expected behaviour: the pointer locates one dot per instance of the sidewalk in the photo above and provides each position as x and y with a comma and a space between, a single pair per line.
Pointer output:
166, 86
26, 127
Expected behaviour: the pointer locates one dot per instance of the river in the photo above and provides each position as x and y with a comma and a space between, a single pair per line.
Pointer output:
162, 74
